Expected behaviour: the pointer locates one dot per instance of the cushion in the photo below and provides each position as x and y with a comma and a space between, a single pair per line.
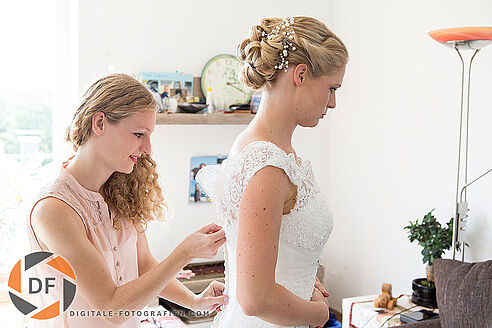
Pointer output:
464, 293
431, 323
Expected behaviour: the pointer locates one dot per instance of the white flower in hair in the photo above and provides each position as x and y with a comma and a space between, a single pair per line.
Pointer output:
288, 34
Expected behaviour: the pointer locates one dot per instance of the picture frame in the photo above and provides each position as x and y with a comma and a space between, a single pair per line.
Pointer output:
165, 85
196, 194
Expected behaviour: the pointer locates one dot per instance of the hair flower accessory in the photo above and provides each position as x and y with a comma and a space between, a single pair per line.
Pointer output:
288, 32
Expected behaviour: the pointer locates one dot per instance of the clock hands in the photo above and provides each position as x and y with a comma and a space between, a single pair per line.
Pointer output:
233, 84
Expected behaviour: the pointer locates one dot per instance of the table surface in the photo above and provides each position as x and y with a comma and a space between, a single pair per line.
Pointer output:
360, 312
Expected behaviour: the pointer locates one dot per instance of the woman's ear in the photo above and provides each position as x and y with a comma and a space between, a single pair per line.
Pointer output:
300, 74
98, 121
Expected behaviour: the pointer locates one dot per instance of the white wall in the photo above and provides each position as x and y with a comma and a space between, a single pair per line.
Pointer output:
393, 140
387, 153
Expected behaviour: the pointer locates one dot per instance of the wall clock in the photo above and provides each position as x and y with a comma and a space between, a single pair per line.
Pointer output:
221, 74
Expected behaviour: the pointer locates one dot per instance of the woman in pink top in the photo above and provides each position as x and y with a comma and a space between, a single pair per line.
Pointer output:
94, 214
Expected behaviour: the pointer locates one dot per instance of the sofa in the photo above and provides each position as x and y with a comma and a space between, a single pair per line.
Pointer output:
464, 295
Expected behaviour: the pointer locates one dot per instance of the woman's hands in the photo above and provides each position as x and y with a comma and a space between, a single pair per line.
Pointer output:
185, 274
203, 243
212, 298
319, 295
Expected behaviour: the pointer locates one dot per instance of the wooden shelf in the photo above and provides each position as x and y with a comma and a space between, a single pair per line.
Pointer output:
218, 118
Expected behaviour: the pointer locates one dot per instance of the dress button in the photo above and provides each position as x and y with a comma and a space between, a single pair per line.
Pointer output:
115, 248
121, 278
118, 263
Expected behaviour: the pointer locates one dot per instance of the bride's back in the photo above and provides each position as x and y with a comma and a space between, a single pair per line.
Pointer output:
303, 232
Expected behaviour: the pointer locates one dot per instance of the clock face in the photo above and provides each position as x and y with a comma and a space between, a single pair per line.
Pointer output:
221, 74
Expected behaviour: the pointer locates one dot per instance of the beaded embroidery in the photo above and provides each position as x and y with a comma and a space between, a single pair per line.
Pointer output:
288, 32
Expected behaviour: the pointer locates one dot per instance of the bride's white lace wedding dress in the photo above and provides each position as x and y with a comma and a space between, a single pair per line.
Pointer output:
303, 233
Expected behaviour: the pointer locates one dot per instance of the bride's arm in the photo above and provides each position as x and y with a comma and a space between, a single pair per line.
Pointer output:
260, 216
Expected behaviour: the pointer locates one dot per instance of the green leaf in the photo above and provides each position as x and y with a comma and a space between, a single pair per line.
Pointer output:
431, 236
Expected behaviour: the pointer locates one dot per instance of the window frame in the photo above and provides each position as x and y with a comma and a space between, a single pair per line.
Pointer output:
66, 91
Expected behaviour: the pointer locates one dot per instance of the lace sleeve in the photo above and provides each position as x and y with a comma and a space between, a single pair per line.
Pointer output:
210, 179
260, 154
224, 184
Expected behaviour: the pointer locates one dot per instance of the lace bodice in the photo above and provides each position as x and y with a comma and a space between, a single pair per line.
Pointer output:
303, 232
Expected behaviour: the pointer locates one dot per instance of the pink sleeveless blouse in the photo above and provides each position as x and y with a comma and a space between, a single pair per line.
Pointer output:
118, 248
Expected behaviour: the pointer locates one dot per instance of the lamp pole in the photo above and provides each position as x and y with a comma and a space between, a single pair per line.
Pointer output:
461, 38
460, 217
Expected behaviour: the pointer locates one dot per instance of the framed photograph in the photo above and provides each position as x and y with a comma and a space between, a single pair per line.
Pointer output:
164, 84
195, 194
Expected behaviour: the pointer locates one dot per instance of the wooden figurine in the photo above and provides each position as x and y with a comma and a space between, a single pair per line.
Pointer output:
385, 300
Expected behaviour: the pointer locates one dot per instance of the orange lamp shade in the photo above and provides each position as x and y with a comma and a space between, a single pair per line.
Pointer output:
461, 34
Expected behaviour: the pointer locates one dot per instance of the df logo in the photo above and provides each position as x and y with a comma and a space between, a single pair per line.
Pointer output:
37, 285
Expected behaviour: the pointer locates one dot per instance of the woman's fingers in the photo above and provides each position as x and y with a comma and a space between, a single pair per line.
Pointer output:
210, 228
216, 303
185, 274
218, 287
217, 235
220, 242
220, 300
207, 240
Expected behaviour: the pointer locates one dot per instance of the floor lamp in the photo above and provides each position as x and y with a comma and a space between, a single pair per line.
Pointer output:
459, 39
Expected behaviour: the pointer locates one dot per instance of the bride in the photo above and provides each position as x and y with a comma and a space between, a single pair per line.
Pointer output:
275, 218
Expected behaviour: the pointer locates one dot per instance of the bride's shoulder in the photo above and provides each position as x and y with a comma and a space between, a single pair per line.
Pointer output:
243, 142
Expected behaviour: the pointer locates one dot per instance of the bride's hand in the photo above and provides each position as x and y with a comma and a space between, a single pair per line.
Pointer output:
321, 287
203, 243
319, 297
212, 298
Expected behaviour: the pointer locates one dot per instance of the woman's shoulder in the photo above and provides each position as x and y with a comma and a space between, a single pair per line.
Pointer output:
250, 144
57, 183
52, 210
60, 201
252, 153
52, 215
241, 142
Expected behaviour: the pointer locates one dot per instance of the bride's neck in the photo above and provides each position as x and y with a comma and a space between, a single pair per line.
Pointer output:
275, 120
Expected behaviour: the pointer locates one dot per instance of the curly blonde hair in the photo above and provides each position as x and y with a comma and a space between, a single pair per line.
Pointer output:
316, 46
136, 196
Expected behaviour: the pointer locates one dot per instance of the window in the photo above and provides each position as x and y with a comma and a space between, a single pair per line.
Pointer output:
38, 87
27, 98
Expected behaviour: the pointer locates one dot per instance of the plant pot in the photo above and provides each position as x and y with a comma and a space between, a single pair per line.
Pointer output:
423, 295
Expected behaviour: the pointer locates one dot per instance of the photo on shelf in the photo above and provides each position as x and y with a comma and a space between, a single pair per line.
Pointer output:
196, 195
166, 85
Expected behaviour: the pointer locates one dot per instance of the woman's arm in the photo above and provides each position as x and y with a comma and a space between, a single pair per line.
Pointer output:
60, 228
175, 291
172, 291
260, 216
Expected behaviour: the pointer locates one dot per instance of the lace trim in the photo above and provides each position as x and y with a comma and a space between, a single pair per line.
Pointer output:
237, 172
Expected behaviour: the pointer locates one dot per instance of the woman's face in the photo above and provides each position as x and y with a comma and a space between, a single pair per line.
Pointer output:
125, 141
318, 97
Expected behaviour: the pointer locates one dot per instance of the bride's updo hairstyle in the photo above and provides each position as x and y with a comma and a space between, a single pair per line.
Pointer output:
312, 43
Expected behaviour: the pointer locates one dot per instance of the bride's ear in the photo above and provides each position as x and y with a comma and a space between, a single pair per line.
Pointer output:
300, 74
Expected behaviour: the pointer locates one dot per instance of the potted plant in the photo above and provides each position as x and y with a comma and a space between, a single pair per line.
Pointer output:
434, 240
